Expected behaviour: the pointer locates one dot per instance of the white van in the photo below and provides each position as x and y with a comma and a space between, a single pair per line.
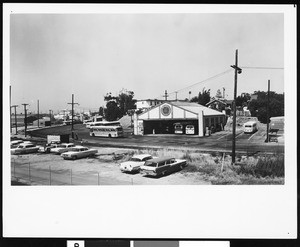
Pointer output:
250, 127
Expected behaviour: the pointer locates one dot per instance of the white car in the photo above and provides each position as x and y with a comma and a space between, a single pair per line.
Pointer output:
79, 152
162, 166
62, 148
134, 163
15, 143
25, 148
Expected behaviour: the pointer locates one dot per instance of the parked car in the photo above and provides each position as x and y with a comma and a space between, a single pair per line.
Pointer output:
62, 148
161, 166
25, 148
47, 148
79, 152
134, 163
15, 143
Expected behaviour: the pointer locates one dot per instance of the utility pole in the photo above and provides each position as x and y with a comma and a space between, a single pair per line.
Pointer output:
223, 92
166, 95
25, 119
38, 112
176, 95
15, 106
72, 128
236, 71
10, 108
268, 111
50, 116
190, 95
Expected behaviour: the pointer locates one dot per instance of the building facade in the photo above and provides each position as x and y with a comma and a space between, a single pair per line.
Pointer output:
162, 118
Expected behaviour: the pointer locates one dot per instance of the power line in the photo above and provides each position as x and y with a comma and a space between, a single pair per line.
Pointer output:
205, 80
261, 67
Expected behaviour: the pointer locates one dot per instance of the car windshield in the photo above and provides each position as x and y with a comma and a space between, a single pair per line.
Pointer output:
135, 159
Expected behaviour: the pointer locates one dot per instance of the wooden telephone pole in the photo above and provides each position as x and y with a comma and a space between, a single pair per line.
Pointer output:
25, 119
15, 106
267, 140
72, 128
236, 71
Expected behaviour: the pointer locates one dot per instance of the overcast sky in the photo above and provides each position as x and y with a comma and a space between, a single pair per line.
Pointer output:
55, 55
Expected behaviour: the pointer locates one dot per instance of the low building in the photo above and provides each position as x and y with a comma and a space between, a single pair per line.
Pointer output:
220, 104
147, 103
161, 118
45, 121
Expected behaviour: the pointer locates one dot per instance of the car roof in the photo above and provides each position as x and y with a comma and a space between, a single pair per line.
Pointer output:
250, 122
160, 159
141, 156
80, 147
16, 141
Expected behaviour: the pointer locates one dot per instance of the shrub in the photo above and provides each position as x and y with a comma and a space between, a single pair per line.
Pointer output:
270, 166
263, 167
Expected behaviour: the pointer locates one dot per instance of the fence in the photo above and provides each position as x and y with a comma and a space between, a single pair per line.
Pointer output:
25, 174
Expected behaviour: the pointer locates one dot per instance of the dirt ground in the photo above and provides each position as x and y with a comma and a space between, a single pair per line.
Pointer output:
106, 163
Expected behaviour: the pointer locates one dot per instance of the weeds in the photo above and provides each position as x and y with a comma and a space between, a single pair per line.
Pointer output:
219, 171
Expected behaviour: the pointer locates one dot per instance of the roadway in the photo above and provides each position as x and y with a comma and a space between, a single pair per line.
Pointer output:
217, 142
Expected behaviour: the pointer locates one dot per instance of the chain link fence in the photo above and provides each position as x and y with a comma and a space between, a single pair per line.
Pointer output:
26, 174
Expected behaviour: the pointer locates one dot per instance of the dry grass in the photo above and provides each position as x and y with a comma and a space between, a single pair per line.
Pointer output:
218, 170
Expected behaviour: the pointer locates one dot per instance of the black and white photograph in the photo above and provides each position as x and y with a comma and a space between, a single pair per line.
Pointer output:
139, 110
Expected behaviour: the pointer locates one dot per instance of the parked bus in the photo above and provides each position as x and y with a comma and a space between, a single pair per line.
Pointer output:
184, 128
276, 124
104, 123
250, 127
178, 128
190, 129
106, 131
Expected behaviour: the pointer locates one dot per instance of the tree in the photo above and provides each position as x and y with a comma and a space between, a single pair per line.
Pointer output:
125, 101
243, 99
219, 94
119, 104
112, 111
101, 111
203, 97
258, 107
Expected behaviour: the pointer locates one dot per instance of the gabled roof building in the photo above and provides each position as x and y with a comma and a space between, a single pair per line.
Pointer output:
161, 118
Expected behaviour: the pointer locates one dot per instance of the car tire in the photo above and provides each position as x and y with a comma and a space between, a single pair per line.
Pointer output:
74, 157
93, 135
109, 135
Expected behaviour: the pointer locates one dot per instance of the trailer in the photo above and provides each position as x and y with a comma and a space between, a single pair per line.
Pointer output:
58, 138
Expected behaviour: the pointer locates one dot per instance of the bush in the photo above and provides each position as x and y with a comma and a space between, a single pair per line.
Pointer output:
264, 167
270, 166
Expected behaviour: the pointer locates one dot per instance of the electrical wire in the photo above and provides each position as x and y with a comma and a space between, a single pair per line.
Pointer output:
261, 67
205, 80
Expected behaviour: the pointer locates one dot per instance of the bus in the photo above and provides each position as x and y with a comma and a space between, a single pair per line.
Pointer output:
250, 127
184, 128
190, 129
178, 128
276, 124
104, 123
106, 131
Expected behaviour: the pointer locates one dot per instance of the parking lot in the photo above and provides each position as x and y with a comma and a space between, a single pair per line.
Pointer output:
103, 169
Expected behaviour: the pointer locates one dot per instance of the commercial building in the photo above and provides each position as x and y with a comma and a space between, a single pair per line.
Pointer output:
161, 118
